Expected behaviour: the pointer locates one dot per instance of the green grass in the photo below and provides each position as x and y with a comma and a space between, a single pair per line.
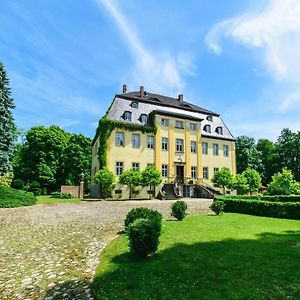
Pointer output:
48, 199
208, 257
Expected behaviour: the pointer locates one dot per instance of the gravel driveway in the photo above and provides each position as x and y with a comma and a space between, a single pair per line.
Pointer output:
51, 251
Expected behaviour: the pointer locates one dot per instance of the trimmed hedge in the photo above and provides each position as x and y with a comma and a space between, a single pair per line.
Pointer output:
288, 210
13, 198
278, 198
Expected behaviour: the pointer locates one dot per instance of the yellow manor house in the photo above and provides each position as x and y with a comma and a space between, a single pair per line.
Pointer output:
187, 143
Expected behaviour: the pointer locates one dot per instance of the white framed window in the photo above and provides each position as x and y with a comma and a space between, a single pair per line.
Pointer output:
164, 170
205, 148
179, 145
120, 139
150, 142
144, 119
207, 128
164, 143
194, 172
209, 118
216, 170
216, 149
119, 168
193, 147
136, 140
165, 122
178, 124
135, 166
225, 150
127, 116
193, 126
134, 104
205, 172
219, 130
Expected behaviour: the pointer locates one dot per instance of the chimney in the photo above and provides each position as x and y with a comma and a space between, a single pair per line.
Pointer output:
142, 91
180, 98
124, 88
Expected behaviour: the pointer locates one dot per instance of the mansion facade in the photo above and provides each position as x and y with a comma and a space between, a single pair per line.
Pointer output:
187, 143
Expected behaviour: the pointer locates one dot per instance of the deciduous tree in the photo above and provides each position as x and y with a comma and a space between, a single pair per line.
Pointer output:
223, 178
152, 177
132, 178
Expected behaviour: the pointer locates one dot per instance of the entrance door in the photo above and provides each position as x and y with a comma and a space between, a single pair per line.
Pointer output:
180, 174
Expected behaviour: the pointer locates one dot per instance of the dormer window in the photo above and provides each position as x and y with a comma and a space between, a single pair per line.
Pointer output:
207, 128
209, 118
219, 130
134, 104
127, 116
144, 119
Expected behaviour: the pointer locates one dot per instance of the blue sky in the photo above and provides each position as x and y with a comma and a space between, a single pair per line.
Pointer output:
67, 59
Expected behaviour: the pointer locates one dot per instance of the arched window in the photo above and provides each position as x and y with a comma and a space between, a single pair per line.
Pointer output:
127, 116
144, 119
207, 128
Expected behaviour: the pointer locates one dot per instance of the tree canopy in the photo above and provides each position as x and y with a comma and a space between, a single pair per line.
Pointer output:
132, 178
223, 178
152, 177
105, 179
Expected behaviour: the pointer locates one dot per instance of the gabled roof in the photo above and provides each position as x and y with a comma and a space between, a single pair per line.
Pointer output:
165, 101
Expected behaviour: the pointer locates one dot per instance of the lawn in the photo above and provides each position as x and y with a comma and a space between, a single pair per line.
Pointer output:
48, 199
208, 257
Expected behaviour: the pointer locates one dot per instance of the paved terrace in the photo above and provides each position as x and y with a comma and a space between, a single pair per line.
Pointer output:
51, 251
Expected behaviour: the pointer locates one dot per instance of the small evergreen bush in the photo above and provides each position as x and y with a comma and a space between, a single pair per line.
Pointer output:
143, 213
179, 210
13, 198
143, 235
217, 207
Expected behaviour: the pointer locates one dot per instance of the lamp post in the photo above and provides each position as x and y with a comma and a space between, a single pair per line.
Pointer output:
81, 185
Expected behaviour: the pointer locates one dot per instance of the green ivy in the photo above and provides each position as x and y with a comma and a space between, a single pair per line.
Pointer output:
105, 128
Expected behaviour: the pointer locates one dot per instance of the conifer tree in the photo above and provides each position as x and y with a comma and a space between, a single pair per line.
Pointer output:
7, 124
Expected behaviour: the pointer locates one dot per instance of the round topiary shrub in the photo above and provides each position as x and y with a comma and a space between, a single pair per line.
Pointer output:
217, 207
143, 213
143, 235
179, 210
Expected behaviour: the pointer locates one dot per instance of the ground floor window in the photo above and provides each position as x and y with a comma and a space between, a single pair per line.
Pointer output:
194, 172
164, 170
119, 168
216, 170
205, 172
135, 166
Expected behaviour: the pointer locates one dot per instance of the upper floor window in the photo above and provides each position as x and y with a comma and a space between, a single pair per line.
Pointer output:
193, 147
205, 172
204, 148
179, 124
194, 172
193, 126
164, 170
144, 119
119, 168
219, 130
225, 150
209, 118
150, 141
134, 104
215, 149
135, 140
127, 116
164, 143
179, 145
135, 166
165, 122
207, 128
120, 140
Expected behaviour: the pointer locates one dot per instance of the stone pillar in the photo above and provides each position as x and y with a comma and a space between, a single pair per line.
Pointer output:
81, 189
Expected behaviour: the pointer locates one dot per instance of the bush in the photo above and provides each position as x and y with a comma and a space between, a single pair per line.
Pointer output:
217, 207
143, 213
143, 235
179, 210
66, 196
278, 198
6, 179
13, 198
288, 210
18, 184
34, 187
55, 194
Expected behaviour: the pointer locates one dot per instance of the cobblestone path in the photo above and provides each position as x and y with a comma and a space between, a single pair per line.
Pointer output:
51, 251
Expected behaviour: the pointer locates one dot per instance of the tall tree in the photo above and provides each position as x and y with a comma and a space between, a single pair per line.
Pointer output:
247, 156
269, 158
7, 124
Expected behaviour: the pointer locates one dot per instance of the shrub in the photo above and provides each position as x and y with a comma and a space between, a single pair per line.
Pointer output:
143, 235
217, 207
18, 184
34, 187
55, 194
143, 213
179, 210
6, 179
66, 196
288, 210
277, 198
13, 198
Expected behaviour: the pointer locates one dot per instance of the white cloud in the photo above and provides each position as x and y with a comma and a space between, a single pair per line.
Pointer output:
157, 71
276, 31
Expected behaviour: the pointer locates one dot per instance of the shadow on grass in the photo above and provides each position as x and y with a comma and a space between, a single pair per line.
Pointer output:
70, 290
264, 268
